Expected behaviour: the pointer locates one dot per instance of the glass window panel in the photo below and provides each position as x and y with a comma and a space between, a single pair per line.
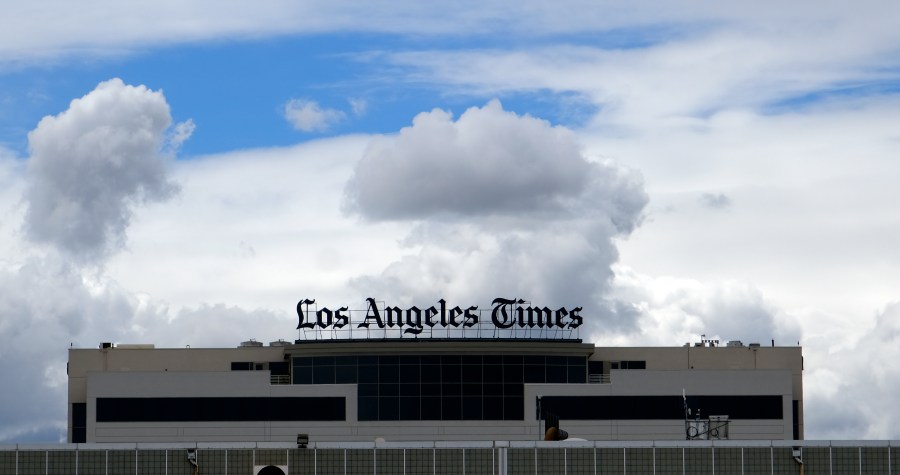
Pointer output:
557, 374
409, 360
471, 407
345, 374
323, 360
430, 359
388, 360
535, 359
298, 361
471, 389
388, 408
367, 360
388, 389
513, 389
513, 374
493, 389
368, 374
513, 409
367, 408
451, 373
492, 408
345, 360
431, 373
323, 374
431, 408
409, 373
471, 359
451, 408
492, 359
451, 389
512, 359
431, 389
557, 360
471, 373
410, 390
534, 374
302, 375
367, 390
492, 373
577, 375
409, 409
388, 373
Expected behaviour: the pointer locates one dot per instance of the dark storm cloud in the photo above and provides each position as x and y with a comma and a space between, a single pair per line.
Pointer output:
91, 164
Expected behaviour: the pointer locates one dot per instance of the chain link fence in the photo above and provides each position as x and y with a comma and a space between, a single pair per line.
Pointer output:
519, 458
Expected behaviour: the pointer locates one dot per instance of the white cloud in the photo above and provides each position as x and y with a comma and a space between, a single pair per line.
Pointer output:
306, 116
91, 164
359, 106
179, 133
504, 205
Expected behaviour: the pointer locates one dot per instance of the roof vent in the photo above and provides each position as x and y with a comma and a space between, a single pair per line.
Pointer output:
251, 343
280, 342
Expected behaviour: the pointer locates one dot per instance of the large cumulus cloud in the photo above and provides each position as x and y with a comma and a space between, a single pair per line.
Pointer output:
92, 163
502, 204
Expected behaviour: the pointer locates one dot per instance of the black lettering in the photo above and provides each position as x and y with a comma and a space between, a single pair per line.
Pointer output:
454, 312
389, 315
471, 317
499, 315
576, 318
431, 312
340, 319
560, 315
373, 314
415, 324
303, 313
540, 313
329, 318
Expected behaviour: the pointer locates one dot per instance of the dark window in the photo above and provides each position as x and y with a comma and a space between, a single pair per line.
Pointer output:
211, 409
302, 375
633, 365
431, 408
595, 367
345, 374
576, 375
557, 374
534, 373
795, 415
409, 408
367, 408
278, 368
323, 374
661, 407
388, 408
79, 423
240, 366
451, 408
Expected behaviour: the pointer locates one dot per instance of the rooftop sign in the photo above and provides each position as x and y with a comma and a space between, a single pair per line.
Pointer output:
507, 318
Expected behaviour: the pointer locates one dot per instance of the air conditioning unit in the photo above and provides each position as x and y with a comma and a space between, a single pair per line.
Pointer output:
270, 470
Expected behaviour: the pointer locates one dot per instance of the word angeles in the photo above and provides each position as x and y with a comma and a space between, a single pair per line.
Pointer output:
505, 314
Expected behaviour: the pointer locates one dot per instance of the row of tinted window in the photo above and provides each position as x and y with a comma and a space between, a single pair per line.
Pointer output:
415, 369
214, 409
446, 408
661, 407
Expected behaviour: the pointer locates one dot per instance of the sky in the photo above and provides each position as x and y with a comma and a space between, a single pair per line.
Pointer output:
182, 173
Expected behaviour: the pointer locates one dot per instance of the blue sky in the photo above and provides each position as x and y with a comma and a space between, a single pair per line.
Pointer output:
677, 168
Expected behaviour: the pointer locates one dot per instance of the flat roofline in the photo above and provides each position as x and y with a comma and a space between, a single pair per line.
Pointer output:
452, 340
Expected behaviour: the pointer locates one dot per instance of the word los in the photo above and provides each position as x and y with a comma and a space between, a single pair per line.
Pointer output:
506, 314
